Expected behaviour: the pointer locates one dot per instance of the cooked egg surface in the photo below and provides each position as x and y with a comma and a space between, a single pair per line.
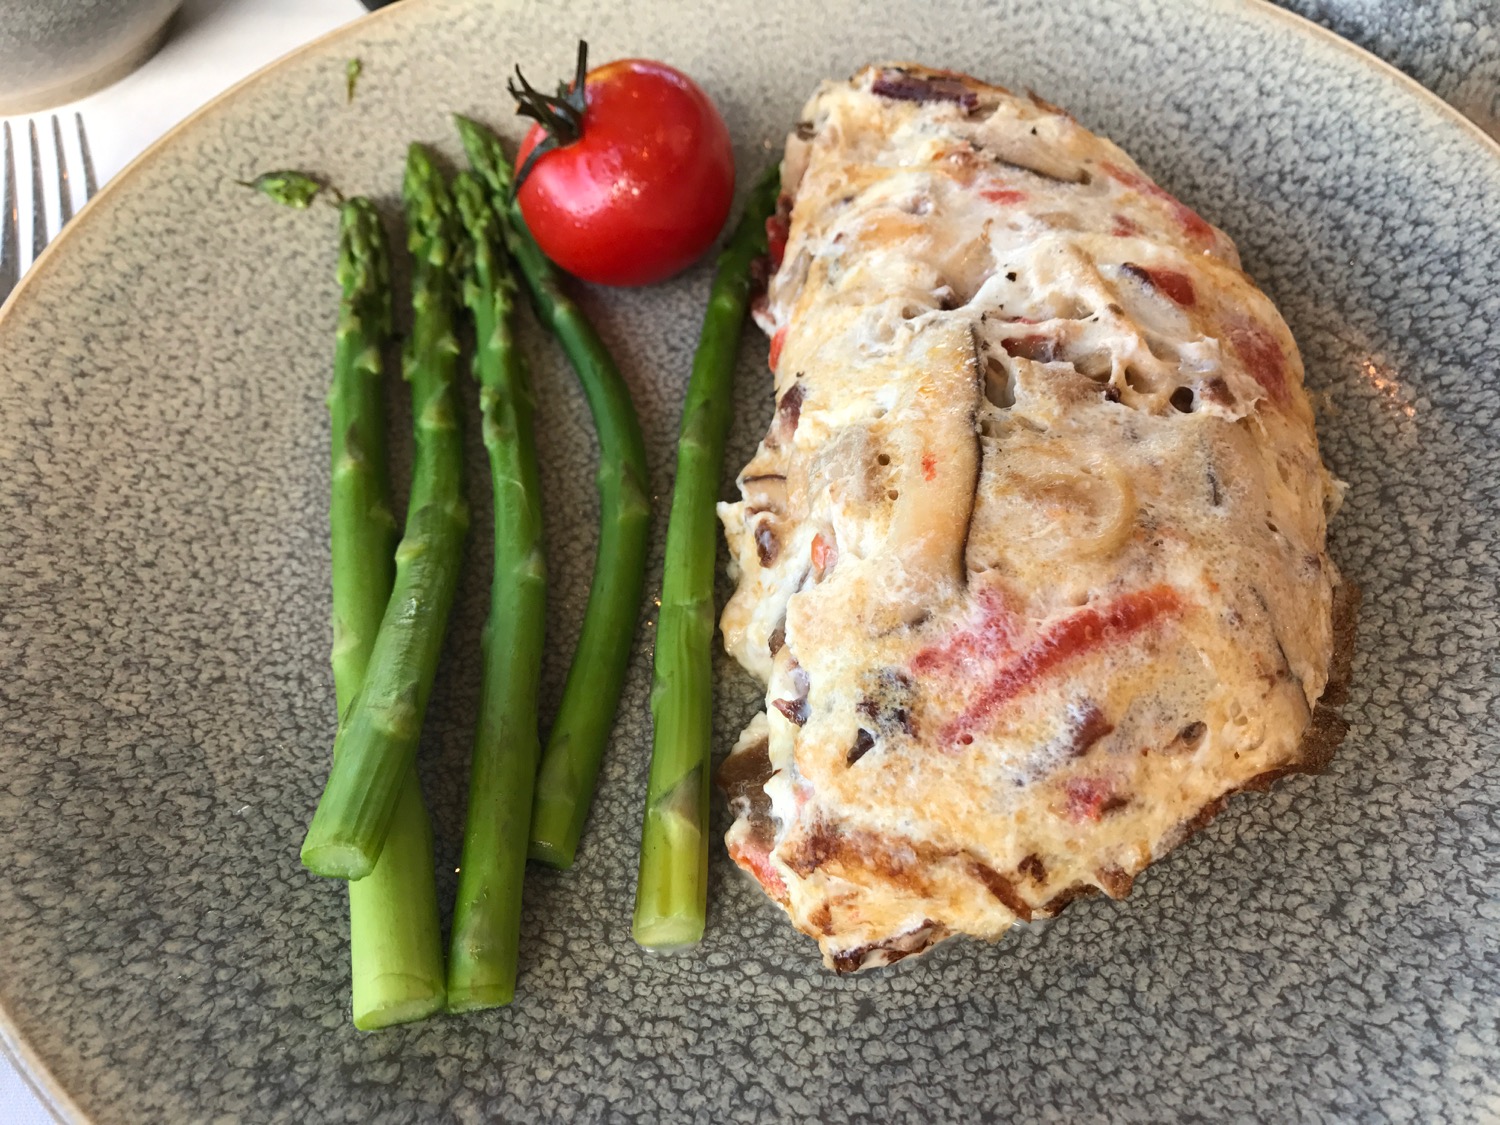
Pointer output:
1032, 558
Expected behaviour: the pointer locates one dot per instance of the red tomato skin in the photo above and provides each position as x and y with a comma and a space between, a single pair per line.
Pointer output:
645, 191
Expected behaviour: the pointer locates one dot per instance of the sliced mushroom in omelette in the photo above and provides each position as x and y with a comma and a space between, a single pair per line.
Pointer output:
1032, 559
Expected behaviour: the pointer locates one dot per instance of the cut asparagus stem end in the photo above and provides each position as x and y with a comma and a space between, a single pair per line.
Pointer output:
552, 838
672, 917
337, 860
477, 998
672, 934
401, 999
671, 897
395, 947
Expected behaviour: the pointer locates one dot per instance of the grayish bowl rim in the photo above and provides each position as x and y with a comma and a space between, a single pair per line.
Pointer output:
106, 74
34, 1072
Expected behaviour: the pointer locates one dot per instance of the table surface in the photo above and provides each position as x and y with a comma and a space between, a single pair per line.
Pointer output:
1446, 44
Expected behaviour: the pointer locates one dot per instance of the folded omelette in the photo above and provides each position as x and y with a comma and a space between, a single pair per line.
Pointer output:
1032, 560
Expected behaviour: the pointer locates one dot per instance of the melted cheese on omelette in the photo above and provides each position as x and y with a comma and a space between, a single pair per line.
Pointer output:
1032, 558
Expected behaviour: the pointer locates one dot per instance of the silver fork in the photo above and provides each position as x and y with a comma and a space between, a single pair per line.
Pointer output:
10, 221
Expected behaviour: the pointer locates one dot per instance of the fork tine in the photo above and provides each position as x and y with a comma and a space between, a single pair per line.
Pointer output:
38, 199
10, 219
64, 183
90, 185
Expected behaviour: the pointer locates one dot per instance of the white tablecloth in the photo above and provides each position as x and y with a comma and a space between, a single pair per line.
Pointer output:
213, 44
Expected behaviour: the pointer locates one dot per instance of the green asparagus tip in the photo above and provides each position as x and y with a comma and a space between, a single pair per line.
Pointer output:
485, 153
290, 189
364, 266
473, 207
421, 171
429, 207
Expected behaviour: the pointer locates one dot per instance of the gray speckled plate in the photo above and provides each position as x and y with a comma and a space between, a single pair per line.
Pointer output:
1329, 951
1451, 46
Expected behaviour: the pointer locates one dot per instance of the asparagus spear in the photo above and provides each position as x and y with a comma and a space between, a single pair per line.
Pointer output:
570, 763
364, 531
672, 888
380, 737
487, 916
395, 951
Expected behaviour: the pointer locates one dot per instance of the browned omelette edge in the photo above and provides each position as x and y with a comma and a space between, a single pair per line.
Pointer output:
1325, 733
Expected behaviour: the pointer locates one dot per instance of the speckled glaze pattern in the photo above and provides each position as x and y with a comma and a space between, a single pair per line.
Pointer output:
1329, 951
1450, 46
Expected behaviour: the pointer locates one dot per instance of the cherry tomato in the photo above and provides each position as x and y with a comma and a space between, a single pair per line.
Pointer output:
645, 189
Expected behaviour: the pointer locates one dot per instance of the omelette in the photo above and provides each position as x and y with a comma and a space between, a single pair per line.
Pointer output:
1032, 558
